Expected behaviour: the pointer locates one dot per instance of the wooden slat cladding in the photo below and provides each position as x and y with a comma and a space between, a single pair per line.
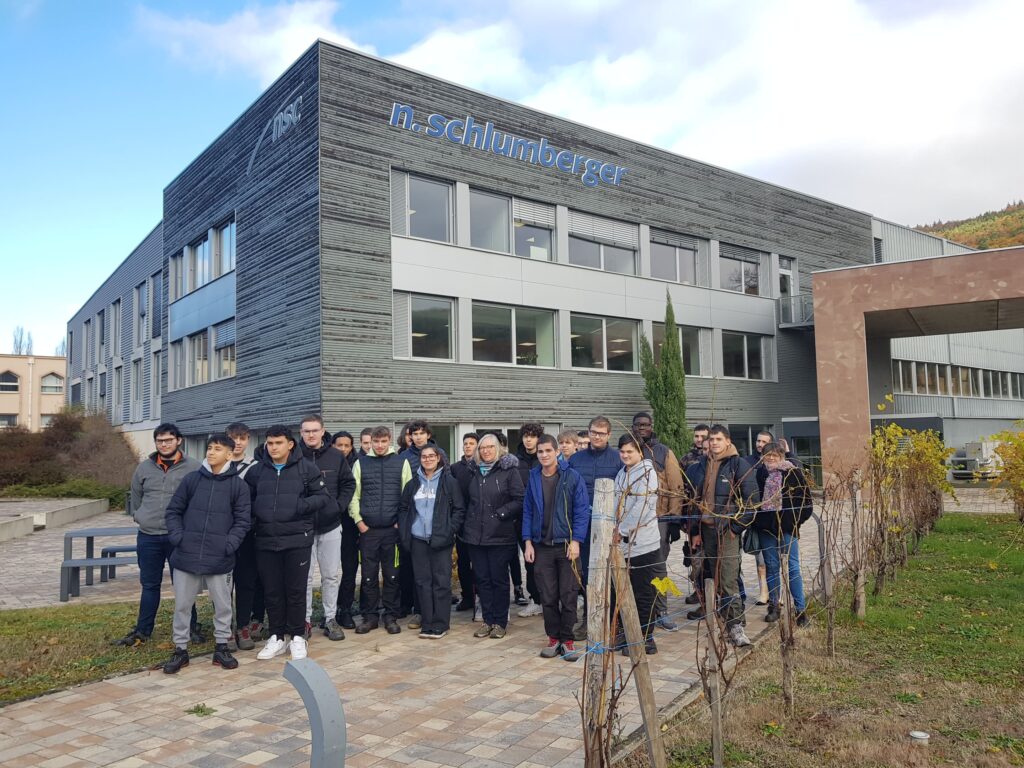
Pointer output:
276, 210
362, 381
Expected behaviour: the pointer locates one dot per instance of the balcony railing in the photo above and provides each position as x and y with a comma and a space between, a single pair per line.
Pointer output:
796, 311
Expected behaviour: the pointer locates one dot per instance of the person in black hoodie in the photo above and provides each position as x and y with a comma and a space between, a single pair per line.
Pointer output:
207, 519
288, 493
494, 511
529, 434
328, 532
429, 514
462, 471
345, 443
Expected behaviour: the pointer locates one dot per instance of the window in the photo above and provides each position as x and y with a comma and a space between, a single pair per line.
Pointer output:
202, 263
156, 283
76, 394
903, 376
101, 335
86, 336
115, 328
741, 355
8, 382
198, 359
136, 391
8, 420
489, 221
52, 384
71, 348
498, 330
878, 250
968, 384
141, 308
116, 414
689, 342
603, 343
669, 262
432, 327
430, 209
737, 275
154, 387
176, 371
101, 393
611, 258
178, 276
532, 242
46, 420
225, 361
226, 243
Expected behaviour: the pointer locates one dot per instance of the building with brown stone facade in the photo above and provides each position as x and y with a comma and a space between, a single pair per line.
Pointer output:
31, 390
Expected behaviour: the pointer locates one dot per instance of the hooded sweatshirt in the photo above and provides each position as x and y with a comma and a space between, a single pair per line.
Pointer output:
338, 480
636, 495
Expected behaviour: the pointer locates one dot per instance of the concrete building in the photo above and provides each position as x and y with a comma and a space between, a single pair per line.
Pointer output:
31, 390
375, 244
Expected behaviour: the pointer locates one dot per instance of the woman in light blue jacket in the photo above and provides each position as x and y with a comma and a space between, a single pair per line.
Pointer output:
636, 531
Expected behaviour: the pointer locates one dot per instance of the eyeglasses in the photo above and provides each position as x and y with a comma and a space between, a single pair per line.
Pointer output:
165, 440
595, 433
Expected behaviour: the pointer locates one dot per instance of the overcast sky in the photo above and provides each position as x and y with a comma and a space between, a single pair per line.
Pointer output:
908, 110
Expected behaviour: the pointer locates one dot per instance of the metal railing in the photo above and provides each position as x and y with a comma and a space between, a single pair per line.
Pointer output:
796, 310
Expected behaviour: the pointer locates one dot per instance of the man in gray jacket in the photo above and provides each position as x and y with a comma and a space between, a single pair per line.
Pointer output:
153, 485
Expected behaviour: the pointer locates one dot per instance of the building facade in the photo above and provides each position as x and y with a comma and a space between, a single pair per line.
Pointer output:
375, 244
31, 390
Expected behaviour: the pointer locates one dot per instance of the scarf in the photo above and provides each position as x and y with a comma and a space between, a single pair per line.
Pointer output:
772, 500
485, 468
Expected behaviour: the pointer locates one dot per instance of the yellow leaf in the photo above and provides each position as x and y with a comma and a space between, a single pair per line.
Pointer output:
889, 397
992, 566
880, 406
665, 585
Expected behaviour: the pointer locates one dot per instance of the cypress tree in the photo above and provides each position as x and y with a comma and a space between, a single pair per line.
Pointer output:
665, 385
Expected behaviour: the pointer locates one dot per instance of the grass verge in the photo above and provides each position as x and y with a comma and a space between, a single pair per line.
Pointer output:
941, 650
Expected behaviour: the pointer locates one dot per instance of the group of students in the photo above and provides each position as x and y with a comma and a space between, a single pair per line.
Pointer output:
252, 527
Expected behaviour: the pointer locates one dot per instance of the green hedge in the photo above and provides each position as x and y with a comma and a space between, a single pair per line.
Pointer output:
79, 488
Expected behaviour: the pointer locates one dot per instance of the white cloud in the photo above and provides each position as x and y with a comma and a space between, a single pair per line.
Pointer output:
885, 107
263, 41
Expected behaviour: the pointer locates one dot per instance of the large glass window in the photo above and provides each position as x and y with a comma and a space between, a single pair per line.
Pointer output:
492, 333
225, 362
176, 369
430, 209
671, 263
198, 358
741, 355
489, 217
52, 384
202, 256
532, 242
689, 342
611, 258
432, 327
8, 420
8, 382
604, 343
226, 235
737, 275
498, 330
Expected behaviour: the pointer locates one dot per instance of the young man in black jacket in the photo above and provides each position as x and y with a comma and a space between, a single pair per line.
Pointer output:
288, 493
249, 606
380, 479
328, 533
529, 434
462, 471
207, 519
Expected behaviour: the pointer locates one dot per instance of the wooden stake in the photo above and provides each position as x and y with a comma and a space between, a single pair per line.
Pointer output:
714, 682
596, 685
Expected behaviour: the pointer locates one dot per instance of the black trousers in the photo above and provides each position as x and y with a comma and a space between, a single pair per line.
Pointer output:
407, 583
559, 585
465, 572
249, 605
349, 566
490, 570
432, 572
378, 550
531, 579
642, 568
284, 574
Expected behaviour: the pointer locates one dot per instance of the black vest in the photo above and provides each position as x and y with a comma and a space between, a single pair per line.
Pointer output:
380, 489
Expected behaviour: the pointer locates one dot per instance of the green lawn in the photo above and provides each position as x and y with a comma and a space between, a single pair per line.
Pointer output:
941, 650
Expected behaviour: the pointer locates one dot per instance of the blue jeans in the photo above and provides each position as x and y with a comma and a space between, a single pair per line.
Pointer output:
153, 552
774, 549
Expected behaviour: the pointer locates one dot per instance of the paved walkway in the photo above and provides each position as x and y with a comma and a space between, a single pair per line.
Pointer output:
454, 702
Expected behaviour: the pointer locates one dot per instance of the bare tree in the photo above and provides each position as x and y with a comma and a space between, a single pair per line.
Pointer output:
18, 345
62, 348
28, 344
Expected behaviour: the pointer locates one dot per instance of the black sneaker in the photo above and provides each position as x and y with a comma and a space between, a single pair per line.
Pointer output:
345, 621
367, 626
177, 661
464, 606
391, 626
802, 619
195, 635
520, 598
693, 598
773, 613
132, 640
650, 646
221, 657
696, 614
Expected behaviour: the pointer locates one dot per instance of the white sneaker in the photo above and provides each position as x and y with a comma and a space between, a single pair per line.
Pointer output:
274, 647
531, 609
738, 637
297, 648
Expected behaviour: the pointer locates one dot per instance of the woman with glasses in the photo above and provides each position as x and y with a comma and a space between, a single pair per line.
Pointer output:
494, 507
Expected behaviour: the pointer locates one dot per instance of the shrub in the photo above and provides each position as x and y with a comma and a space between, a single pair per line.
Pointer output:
1011, 479
79, 488
25, 458
99, 452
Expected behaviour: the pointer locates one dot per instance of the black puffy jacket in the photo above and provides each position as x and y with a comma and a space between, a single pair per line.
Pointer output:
338, 480
494, 505
449, 511
796, 506
285, 503
207, 518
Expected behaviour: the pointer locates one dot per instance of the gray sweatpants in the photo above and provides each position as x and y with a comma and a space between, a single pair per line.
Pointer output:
327, 549
186, 587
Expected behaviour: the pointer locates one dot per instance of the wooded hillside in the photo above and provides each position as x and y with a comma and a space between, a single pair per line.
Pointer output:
994, 229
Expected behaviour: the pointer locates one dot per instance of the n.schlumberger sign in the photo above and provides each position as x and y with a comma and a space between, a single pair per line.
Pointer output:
485, 137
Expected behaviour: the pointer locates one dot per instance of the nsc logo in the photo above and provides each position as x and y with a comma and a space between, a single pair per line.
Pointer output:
286, 116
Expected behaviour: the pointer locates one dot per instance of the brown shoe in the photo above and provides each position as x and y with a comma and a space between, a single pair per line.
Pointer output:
484, 630
497, 632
